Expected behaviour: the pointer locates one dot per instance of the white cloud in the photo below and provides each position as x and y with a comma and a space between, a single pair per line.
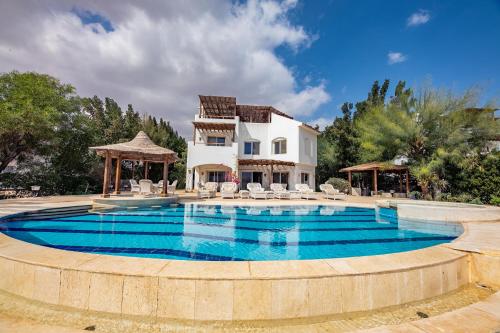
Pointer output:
420, 17
322, 122
395, 57
161, 55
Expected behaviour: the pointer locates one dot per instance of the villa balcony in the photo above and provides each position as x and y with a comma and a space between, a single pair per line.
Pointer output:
201, 154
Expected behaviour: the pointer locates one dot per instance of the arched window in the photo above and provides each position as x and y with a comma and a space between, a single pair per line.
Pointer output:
279, 146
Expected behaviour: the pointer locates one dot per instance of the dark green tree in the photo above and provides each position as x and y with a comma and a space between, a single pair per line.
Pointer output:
31, 106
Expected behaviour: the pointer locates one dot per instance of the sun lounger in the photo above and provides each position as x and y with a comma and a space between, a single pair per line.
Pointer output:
329, 192
279, 191
306, 192
228, 190
208, 190
256, 191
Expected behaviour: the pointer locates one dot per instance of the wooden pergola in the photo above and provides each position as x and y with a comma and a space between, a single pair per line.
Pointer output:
378, 167
141, 148
213, 127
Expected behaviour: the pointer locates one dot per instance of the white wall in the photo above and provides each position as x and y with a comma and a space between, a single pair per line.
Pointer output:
307, 137
265, 133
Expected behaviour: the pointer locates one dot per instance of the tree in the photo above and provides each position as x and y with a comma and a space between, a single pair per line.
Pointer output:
376, 97
433, 129
31, 106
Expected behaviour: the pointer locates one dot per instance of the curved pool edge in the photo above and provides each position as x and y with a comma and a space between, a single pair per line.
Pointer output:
215, 291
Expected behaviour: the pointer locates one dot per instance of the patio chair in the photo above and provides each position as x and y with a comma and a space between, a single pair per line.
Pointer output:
208, 190
329, 192
279, 191
228, 190
305, 192
134, 187
171, 187
146, 186
256, 191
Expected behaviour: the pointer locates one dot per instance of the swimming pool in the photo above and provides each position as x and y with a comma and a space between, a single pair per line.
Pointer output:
231, 233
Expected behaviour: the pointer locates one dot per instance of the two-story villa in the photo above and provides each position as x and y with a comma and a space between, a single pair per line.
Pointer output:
255, 143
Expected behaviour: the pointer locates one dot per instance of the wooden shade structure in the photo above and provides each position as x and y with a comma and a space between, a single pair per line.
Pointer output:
213, 128
141, 148
263, 162
376, 168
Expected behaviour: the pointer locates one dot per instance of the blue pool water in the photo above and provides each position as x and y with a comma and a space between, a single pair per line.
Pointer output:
223, 233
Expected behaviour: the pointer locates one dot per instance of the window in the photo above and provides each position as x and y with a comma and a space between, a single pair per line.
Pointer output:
216, 141
304, 178
252, 148
280, 177
217, 176
250, 177
279, 146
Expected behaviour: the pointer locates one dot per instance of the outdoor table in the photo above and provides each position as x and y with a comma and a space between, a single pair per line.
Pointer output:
244, 194
295, 195
270, 194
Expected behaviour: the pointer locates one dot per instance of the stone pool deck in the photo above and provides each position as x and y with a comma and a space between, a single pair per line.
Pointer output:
257, 290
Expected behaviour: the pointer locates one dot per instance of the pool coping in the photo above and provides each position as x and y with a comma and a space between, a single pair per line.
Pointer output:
293, 286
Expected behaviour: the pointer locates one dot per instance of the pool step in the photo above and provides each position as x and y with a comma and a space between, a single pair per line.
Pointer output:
52, 213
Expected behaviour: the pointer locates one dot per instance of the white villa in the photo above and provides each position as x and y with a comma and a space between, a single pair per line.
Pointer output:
255, 143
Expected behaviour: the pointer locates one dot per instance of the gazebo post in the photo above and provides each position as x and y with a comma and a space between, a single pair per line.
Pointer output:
107, 170
349, 177
165, 178
400, 182
407, 181
375, 189
118, 175
146, 170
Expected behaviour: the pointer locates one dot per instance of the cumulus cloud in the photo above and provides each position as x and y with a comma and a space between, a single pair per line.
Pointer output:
395, 57
420, 17
160, 55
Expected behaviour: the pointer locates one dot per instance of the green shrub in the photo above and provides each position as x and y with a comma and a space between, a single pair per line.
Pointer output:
340, 184
495, 200
443, 196
415, 195
476, 201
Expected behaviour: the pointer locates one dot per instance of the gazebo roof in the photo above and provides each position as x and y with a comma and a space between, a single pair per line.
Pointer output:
382, 166
141, 148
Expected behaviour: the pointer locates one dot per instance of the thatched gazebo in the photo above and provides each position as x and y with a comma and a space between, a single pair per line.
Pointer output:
141, 148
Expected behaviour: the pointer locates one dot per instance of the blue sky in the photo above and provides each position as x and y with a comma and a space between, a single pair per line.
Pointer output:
458, 46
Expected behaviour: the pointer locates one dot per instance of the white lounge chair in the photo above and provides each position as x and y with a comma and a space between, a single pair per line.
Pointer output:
329, 192
134, 187
146, 187
305, 192
208, 190
228, 190
279, 191
256, 191
171, 187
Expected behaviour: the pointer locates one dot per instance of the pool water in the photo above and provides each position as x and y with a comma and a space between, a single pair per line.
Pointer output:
226, 233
